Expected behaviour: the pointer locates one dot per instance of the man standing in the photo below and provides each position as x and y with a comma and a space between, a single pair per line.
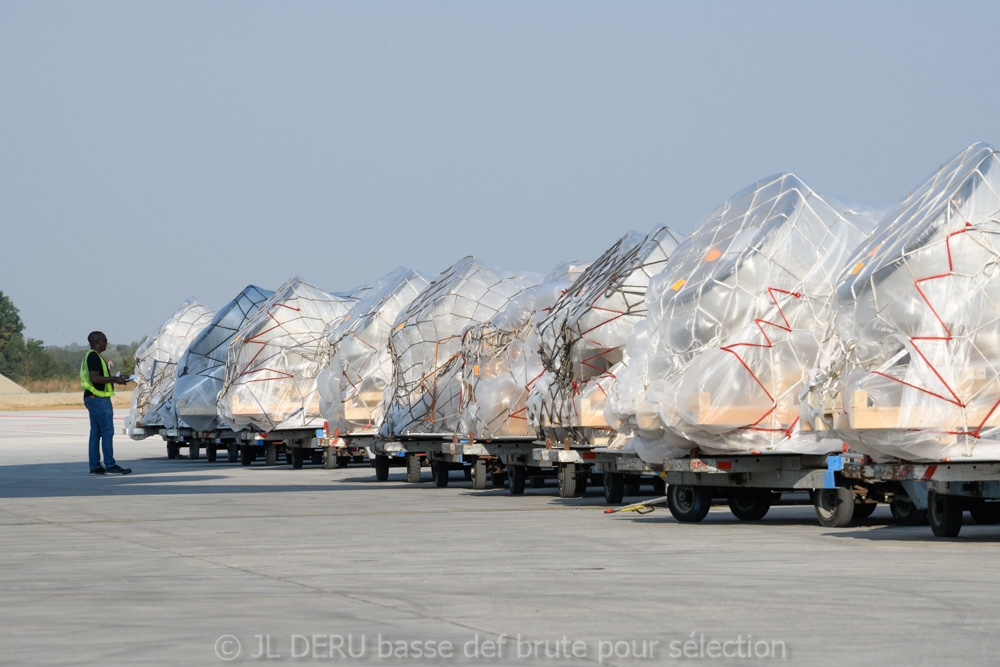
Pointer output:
97, 392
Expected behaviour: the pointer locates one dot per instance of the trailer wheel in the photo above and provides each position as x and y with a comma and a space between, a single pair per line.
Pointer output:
614, 488
906, 513
342, 461
271, 454
359, 458
944, 513
984, 513
567, 481
247, 455
210, 453
516, 476
412, 468
478, 469
194, 451
659, 486
234, 453
582, 480
441, 469
316, 457
498, 479
864, 510
381, 467
834, 507
750, 504
172, 450
688, 504
297, 456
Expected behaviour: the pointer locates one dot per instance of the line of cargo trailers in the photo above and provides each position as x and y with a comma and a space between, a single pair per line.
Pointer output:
791, 344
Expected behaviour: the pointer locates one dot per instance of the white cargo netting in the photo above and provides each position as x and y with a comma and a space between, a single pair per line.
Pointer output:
156, 367
501, 363
351, 389
913, 366
202, 369
426, 345
273, 362
583, 337
735, 321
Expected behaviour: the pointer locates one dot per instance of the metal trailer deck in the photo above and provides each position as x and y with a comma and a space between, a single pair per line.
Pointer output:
943, 491
500, 460
339, 452
843, 487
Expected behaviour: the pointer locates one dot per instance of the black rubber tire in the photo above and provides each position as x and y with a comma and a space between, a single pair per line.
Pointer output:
516, 476
297, 455
343, 461
467, 471
247, 455
659, 486
688, 504
498, 480
172, 450
288, 455
614, 488
944, 513
270, 454
234, 453
834, 507
984, 513
750, 504
210, 453
441, 470
316, 457
478, 471
381, 467
582, 482
412, 468
568, 480
864, 510
359, 458
906, 513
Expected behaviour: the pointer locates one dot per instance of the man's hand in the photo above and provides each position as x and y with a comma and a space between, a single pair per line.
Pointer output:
119, 380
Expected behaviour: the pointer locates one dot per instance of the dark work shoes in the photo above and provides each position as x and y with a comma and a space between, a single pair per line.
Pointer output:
117, 470
98, 471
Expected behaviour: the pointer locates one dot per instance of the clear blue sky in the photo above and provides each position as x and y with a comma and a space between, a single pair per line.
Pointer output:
151, 151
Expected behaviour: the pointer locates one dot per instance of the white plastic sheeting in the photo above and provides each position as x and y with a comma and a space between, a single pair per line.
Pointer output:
915, 360
351, 389
582, 339
426, 345
202, 369
156, 367
735, 321
501, 362
273, 362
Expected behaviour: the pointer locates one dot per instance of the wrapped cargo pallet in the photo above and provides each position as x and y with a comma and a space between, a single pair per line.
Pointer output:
202, 369
351, 389
915, 361
274, 360
735, 321
426, 345
156, 367
500, 360
584, 336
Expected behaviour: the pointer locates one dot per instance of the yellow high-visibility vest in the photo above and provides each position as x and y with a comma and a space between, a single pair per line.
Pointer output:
85, 377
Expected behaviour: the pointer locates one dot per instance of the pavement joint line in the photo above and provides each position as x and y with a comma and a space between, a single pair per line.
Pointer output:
39, 522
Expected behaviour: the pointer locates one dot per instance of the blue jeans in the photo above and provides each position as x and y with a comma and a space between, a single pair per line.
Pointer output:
102, 428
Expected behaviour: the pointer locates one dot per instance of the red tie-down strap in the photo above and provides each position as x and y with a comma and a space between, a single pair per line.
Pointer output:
760, 325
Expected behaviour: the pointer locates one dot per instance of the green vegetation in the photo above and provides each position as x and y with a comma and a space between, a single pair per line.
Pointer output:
38, 367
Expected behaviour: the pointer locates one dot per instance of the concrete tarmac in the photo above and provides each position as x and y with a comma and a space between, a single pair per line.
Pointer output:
195, 563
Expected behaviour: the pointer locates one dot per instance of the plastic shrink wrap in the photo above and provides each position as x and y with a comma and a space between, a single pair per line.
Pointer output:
351, 389
914, 362
500, 360
582, 339
156, 367
735, 321
274, 360
202, 369
426, 345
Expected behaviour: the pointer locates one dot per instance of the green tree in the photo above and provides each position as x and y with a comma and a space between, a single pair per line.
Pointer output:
11, 342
